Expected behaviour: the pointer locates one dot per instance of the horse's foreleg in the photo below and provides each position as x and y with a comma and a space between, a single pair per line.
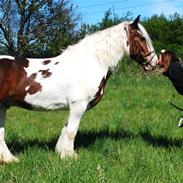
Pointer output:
5, 154
65, 144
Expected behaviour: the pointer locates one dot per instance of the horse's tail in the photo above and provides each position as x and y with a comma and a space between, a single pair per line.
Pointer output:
180, 109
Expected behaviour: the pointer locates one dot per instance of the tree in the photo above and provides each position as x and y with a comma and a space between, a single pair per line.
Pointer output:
166, 32
36, 27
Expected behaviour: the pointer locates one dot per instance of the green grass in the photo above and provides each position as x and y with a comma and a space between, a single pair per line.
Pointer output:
130, 136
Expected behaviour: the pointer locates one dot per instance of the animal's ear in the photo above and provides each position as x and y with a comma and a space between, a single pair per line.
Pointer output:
135, 22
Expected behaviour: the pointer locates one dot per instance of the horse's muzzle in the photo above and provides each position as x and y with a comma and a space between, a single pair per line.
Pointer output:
149, 67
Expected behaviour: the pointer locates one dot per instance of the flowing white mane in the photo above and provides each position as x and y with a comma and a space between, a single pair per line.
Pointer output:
107, 46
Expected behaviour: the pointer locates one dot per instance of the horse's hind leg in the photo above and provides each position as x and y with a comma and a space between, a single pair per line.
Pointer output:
5, 154
65, 144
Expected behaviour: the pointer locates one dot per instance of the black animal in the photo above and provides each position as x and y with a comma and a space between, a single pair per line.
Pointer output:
173, 69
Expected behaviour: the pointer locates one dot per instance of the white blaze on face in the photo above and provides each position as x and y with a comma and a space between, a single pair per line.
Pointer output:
152, 57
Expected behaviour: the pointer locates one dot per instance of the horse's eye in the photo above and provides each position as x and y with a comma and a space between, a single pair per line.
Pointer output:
143, 39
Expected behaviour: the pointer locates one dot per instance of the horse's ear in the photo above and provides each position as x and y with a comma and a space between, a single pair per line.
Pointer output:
135, 22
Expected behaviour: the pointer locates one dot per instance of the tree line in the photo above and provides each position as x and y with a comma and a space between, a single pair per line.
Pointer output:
42, 28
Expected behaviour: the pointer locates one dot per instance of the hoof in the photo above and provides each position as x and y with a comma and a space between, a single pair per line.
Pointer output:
68, 155
11, 160
73, 156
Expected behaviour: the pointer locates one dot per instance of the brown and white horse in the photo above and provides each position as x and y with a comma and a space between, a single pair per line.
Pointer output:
74, 80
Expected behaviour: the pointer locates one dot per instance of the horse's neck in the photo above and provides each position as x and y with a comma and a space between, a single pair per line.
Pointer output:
109, 46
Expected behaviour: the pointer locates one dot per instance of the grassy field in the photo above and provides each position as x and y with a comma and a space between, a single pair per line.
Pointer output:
130, 136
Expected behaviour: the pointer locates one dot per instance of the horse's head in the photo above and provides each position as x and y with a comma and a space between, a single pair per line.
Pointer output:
165, 58
140, 46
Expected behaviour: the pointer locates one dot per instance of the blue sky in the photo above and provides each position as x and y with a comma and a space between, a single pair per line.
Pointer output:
93, 11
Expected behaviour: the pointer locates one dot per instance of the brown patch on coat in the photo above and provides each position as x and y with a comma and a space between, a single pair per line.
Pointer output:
14, 81
46, 62
45, 73
56, 63
34, 87
98, 96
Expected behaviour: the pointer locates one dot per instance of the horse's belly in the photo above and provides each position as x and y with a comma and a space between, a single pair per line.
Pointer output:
46, 102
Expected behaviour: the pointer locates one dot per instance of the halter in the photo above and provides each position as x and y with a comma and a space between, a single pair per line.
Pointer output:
148, 54
145, 62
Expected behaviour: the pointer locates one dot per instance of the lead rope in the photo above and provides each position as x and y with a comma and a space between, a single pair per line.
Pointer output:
180, 109
180, 124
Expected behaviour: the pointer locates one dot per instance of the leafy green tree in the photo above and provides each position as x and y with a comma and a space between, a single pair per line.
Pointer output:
36, 27
166, 32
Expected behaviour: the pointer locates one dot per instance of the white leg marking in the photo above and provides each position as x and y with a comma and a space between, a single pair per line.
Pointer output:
65, 144
5, 154
180, 122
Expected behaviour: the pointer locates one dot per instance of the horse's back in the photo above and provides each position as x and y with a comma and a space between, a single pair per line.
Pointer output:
72, 79
49, 83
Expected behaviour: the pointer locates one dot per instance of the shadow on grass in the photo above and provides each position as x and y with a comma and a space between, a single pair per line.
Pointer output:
18, 145
83, 139
86, 139
160, 141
